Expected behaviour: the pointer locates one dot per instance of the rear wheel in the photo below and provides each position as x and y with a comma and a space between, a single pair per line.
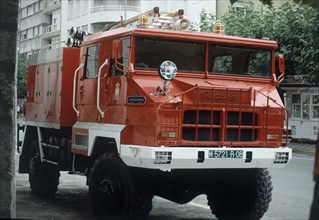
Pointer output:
113, 193
245, 197
43, 177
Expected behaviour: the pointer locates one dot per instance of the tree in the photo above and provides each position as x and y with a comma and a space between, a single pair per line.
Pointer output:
297, 38
311, 3
22, 76
8, 34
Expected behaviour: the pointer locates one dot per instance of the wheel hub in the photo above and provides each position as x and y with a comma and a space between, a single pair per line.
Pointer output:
109, 190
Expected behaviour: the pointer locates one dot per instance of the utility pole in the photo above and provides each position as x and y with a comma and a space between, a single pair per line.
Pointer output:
221, 7
8, 36
125, 9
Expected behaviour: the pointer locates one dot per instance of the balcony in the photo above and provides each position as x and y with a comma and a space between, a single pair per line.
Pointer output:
51, 28
51, 5
50, 31
113, 12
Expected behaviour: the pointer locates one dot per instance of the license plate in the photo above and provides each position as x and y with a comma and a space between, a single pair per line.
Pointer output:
225, 153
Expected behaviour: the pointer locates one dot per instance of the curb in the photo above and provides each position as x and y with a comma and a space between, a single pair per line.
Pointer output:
303, 150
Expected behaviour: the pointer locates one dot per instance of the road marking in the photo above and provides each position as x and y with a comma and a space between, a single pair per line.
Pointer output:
198, 205
303, 158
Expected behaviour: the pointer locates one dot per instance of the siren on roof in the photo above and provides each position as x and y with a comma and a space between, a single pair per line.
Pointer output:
183, 24
163, 20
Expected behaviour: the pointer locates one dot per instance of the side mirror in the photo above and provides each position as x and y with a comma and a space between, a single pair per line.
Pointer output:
281, 63
116, 49
280, 68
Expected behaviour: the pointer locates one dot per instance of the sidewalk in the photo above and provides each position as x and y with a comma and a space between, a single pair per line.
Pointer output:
300, 147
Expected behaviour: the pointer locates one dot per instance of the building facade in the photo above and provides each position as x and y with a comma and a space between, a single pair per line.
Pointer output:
45, 24
302, 103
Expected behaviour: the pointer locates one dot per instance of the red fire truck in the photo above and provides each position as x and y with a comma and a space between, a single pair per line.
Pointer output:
157, 109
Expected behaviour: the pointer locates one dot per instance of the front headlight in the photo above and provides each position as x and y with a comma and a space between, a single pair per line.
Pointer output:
168, 70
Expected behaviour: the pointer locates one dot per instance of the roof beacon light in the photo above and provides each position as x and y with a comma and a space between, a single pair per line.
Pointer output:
163, 20
142, 20
219, 27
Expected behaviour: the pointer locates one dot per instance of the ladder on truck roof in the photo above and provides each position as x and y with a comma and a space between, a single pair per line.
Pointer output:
150, 19
155, 19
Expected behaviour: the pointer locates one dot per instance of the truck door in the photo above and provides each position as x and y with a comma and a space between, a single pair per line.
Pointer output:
87, 83
117, 81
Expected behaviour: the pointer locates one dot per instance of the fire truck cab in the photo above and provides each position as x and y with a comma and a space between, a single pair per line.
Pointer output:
157, 110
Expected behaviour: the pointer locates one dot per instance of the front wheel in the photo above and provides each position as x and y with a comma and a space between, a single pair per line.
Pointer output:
113, 193
245, 196
43, 177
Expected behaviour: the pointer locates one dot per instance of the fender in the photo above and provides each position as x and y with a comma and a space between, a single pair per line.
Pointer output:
85, 134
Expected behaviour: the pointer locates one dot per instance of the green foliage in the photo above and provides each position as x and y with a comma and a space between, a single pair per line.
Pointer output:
312, 3
294, 26
265, 2
22, 76
206, 24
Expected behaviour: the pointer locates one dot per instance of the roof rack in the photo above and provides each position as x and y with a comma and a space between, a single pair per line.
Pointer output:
155, 19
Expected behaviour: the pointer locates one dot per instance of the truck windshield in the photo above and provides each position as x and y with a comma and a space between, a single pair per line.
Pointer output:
151, 52
239, 61
190, 57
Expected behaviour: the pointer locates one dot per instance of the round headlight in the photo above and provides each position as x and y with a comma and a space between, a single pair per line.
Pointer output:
168, 70
73, 31
70, 42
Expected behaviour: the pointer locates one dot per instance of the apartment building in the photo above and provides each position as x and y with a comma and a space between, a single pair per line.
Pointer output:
44, 24
30, 25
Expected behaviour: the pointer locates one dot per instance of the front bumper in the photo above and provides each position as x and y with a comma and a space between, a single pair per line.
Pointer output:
168, 158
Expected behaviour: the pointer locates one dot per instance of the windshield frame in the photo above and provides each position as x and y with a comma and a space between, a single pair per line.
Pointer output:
206, 63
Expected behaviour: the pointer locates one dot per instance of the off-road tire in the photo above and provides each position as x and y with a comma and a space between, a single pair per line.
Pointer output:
43, 177
113, 193
246, 199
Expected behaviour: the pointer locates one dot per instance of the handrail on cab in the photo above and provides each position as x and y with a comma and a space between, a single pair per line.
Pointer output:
74, 89
106, 62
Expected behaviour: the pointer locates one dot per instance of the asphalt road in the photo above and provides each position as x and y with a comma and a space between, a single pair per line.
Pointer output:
292, 196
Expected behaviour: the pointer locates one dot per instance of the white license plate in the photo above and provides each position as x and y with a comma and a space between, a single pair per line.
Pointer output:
225, 153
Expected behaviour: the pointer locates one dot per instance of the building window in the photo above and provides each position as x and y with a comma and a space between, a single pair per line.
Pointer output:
85, 7
78, 8
85, 28
23, 12
296, 106
55, 42
315, 106
35, 31
30, 32
36, 7
92, 61
71, 9
55, 25
306, 106
30, 10
23, 35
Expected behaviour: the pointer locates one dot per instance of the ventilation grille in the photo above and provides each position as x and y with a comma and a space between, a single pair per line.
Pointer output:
205, 125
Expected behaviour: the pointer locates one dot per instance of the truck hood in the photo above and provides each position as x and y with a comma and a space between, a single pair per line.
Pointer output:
190, 90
